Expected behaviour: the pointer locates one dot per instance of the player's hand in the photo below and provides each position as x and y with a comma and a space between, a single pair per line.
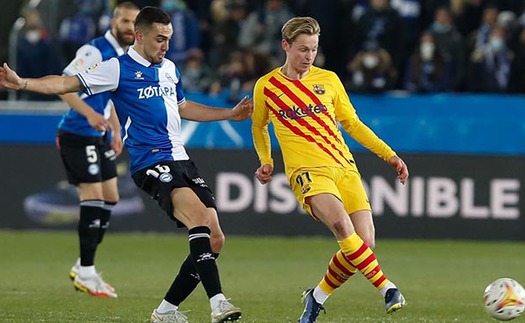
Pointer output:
116, 142
98, 122
243, 110
402, 170
264, 173
10, 80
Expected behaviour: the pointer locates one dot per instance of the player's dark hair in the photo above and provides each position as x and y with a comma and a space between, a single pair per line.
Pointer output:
150, 15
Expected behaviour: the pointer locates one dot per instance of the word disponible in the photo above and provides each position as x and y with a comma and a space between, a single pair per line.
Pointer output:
433, 197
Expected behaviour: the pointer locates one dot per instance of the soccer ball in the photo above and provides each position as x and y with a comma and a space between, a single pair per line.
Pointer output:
504, 299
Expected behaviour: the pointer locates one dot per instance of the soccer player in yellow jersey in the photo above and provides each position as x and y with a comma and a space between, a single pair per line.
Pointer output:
305, 103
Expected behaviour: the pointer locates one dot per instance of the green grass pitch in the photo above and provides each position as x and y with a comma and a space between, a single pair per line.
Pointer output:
443, 281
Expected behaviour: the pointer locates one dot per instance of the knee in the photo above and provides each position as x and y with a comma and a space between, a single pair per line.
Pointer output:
217, 241
370, 241
341, 227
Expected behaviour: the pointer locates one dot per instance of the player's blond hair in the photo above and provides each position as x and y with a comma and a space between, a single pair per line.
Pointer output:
299, 25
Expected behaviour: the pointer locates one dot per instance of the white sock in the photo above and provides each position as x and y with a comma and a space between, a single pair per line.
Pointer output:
87, 271
165, 307
215, 300
387, 287
77, 263
319, 295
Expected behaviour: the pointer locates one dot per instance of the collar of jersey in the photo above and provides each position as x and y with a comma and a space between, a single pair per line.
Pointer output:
137, 58
113, 41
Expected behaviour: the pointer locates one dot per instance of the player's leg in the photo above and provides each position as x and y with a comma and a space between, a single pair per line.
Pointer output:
82, 161
188, 278
109, 184
190, 210
89, 225
364, 227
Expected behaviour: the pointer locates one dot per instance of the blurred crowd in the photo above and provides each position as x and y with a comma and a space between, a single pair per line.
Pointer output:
420, 46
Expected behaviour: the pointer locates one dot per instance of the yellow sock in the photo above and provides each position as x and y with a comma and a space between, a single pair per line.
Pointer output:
338, 272
361, 257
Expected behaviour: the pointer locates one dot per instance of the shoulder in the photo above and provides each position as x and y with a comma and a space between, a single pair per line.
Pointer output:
323, 73
88, 50
265, 78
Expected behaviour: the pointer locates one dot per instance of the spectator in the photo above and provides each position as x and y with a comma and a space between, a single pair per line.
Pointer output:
78, 29
228, 16
262, 30
468, 15
382, 24
186, 30
427, 70
35, 54
481, 35
517, 75
371, 70
241, 72
489, 66
198, 76
450, 43
338, 33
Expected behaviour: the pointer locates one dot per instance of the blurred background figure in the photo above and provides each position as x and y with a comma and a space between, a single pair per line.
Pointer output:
427, 70
228, 17
517, 75
198, 76
239, 74
489, 66
262, 30
186, 30
480, 36
78, 29
370, 71
450, 44
35, 52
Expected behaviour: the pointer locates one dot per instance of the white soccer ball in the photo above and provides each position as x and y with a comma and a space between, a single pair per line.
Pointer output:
504, 299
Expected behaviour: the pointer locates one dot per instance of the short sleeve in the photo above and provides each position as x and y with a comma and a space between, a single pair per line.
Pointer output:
101, 77
86, 56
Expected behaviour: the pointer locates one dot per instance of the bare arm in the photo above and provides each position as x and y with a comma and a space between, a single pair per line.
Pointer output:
198, 112
95, 119
116, 142
51, 84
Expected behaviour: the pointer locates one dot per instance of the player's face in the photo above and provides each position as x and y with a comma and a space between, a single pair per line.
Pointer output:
301, 53
155, 42
122, 26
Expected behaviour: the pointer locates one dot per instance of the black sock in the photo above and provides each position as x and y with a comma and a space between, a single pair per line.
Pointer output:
204, 261
105, 214
185, 283
88, 230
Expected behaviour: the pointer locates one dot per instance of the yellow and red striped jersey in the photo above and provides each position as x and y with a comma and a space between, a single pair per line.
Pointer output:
305, 114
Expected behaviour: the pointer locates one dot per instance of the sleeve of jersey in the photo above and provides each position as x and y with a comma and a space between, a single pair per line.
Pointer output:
101, 77
260, 121
181, 97
347, 116
86, 56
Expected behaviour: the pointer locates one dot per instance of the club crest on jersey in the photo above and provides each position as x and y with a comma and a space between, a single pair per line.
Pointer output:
138, 75
319, 88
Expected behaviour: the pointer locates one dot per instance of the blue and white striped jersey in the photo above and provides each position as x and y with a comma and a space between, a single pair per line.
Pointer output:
147, 99
96, 51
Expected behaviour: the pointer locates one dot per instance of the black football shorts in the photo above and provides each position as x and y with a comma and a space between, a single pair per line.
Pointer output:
160, 179
86, 159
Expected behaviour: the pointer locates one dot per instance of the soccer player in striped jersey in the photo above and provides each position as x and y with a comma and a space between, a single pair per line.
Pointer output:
147, 92
87, 154
304, 104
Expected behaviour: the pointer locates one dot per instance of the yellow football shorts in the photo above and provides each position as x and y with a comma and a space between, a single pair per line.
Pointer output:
345, 184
